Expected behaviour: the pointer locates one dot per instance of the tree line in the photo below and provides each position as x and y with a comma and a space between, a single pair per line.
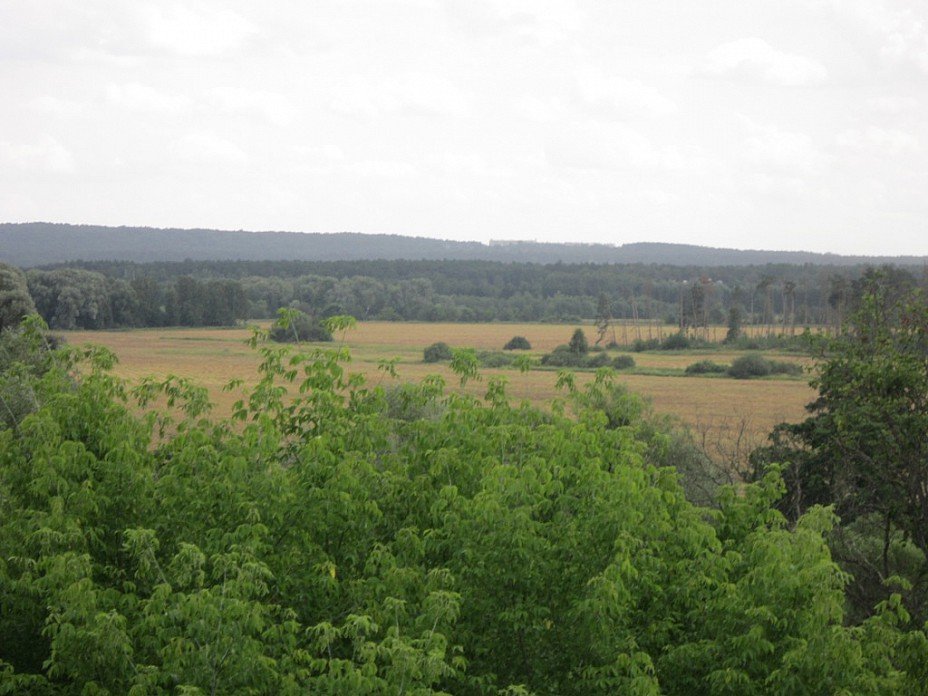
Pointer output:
75, 298
123, 294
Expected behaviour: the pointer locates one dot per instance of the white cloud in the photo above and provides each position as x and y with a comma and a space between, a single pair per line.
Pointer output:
66, 108
783, 152
541, 22
877, 140
384, 169
612, 146
466, 164
135, 96
272, 106
207, 148
413, 91
430, 93
620, 96
179, 29
893, 104
902, 27
44, 155
754, 58
326, 152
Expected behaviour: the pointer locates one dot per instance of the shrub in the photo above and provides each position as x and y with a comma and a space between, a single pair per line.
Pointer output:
640, 344
748, 366
563, 356
623, 362
578, 343
437, 352
798, 343
677, 341
300, 327
598, 360
780, 367
706, 367
518, 343
492, 358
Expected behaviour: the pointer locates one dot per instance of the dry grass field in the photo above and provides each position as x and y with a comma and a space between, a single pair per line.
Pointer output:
716, 408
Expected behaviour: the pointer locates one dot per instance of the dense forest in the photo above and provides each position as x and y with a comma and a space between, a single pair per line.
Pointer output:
339, 537
38, 243
96, 295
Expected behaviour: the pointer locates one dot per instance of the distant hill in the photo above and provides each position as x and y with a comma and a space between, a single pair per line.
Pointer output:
41, 243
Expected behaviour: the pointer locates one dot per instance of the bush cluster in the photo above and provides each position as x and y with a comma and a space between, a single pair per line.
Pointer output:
706, 367
799, 342
748, 366
437, 352
563, 356
494, 358
518, 343
675, 341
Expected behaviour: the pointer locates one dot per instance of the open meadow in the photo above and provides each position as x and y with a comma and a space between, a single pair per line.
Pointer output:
723, 412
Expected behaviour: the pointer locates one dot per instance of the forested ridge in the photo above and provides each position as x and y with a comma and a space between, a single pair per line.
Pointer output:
342, 537
40, 243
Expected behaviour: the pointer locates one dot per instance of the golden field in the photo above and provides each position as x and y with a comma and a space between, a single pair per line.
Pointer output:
716, 408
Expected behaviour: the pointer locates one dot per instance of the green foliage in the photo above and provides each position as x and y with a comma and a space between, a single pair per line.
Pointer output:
15, 300
578, 343
598, 360
801, 342
294, 326
748, 366
623, 362
493, 358
563, 356
706, 367
734, 325
26, 354
517, 343
640, 345
782, 367
863, 449
335, 537
437, 352
677, 341
465, 364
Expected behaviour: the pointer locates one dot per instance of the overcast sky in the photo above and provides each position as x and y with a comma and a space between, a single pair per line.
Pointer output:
774, 124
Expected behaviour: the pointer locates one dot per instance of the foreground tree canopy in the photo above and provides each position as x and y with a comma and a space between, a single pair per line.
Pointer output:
342, 538
864, 447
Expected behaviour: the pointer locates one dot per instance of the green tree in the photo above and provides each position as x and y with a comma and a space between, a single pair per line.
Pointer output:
71, 298
863, 449
578, 343
314, 544
15, 300
734, 324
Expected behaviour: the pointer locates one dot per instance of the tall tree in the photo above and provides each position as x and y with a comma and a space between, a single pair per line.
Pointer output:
603, 317
864, 447
789, 306
15, 300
